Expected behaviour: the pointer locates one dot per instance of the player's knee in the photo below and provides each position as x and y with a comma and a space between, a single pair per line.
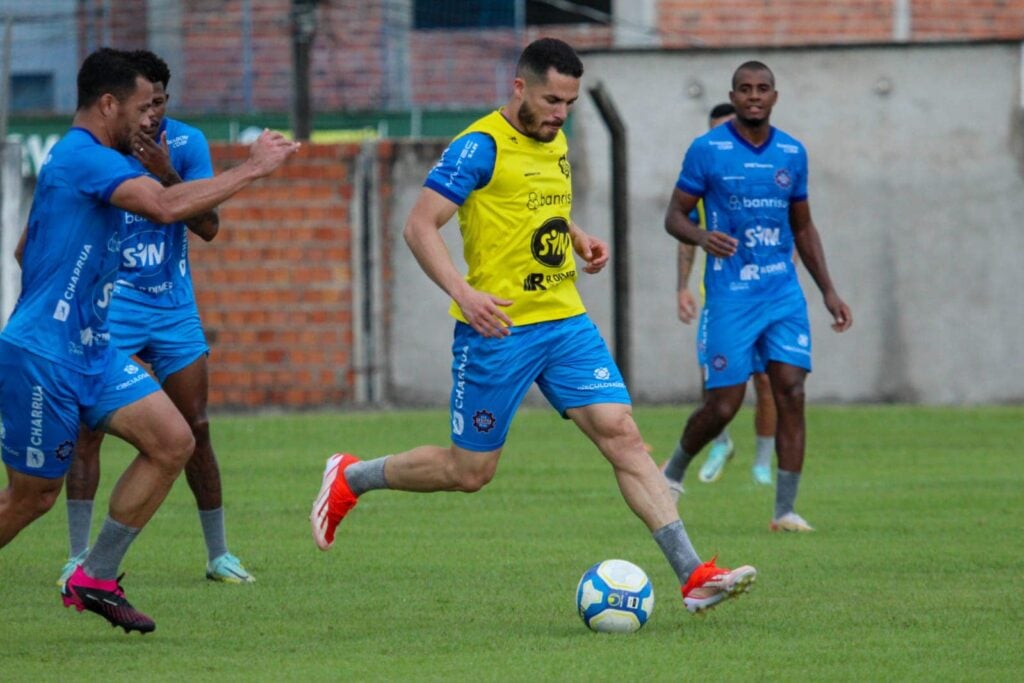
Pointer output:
178, 448
722, 411
200, 426
33, 504
790, 395
471, 482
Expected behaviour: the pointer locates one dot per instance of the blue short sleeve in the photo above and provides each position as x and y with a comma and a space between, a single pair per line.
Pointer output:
692, 177
196, 161
800, 182
100, 172
466, 165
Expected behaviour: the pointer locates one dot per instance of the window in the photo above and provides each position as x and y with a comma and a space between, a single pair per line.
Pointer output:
32, 92
501, 13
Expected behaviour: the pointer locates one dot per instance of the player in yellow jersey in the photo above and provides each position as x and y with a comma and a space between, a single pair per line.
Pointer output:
722, 448
520, 320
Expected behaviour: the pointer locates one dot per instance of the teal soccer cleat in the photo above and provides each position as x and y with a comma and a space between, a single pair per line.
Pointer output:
228, 569
721, 453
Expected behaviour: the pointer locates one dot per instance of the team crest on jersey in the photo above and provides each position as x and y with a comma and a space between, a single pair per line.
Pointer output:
783, 179
563, 166
483, 421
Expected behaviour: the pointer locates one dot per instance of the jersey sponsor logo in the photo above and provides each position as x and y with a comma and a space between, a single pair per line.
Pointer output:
534, 282
755, 164
76, 273
551, 242
762, 236
537, 200
776, 268
751, 271
483, 421
106, 294
736, 203
787, 148
458, 423
90, 337
783, 179
540, 282
721, 145
61, 311
143, 255
177, 141
467, 152
602, 374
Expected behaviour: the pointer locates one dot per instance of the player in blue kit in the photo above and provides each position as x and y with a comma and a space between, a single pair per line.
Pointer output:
752, 178
57, 364
154, 315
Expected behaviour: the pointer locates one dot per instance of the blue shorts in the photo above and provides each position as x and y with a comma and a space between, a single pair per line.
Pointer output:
42, 404
567, 359
737, 339
167, 339
758, 364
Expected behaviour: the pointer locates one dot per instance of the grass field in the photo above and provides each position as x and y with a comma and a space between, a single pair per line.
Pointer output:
916, 572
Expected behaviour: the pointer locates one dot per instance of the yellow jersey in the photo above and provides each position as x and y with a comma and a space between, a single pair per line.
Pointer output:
515, 229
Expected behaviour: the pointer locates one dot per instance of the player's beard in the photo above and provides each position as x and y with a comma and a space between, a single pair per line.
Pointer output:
531, 126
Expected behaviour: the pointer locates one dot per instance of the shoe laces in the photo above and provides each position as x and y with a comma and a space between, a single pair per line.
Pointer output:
704, 574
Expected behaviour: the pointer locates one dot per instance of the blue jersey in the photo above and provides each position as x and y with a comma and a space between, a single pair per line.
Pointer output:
71, 255
154, 258
747, 192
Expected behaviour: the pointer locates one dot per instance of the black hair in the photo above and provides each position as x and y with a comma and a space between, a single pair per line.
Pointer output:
106, 71
547, 53
153, 68
721, 110
752, 66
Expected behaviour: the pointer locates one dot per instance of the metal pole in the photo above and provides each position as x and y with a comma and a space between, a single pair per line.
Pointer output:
5, 74
303, 30
620, 228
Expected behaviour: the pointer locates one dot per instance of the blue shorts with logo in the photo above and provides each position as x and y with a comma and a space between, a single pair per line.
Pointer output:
42, 404
567, 359
168, 339
737, 339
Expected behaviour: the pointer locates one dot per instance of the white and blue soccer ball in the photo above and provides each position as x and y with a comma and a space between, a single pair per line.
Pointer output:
615, 596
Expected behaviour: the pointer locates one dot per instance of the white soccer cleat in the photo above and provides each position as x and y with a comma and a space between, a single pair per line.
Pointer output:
790, 522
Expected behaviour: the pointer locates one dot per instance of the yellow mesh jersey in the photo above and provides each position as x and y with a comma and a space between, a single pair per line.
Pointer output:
515, 229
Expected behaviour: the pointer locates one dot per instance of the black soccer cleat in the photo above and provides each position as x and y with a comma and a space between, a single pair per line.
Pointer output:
105, 598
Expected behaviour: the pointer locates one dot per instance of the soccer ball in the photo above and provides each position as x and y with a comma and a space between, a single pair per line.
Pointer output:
615, 596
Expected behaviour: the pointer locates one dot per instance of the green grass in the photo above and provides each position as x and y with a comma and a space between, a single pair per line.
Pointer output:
916, 572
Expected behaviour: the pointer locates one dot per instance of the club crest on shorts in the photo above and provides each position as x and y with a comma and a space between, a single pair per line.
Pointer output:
719, 362
483, 421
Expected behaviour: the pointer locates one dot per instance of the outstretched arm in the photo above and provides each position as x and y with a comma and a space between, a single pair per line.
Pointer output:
148, 198
422, 233
808, 245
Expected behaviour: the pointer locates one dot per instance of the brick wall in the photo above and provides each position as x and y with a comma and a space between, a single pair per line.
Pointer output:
364, 57
274, 287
